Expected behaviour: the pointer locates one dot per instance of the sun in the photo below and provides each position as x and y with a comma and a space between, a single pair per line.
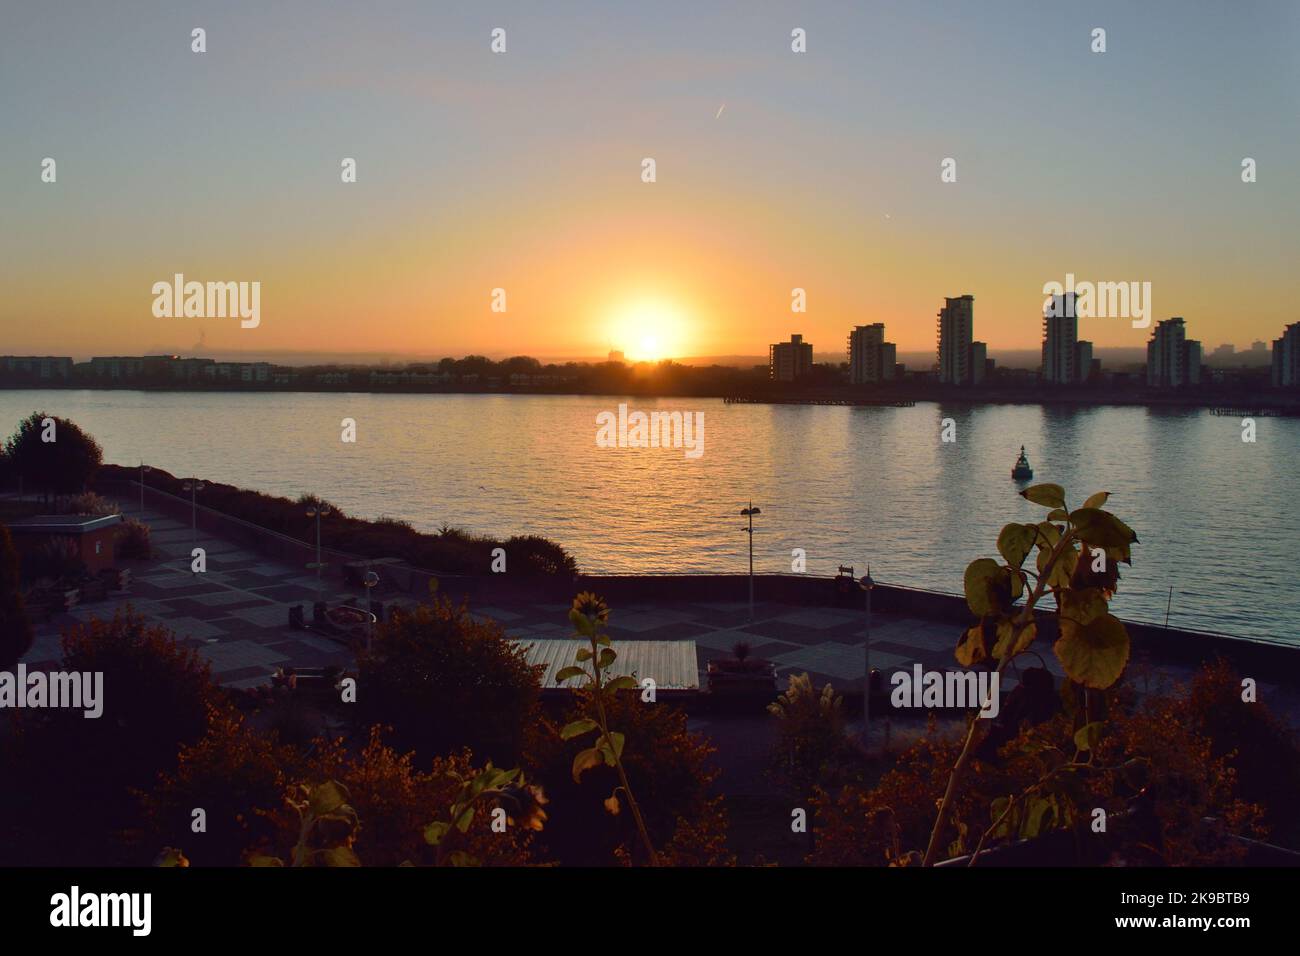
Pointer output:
649, 331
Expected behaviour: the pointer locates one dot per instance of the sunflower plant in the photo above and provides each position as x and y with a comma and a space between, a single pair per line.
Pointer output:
589, 616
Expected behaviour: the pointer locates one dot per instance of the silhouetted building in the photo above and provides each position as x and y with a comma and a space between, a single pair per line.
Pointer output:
1173, 360
956, 331
1066, 359
36, 368
787, 361
1286, 358
871, 358
979, 362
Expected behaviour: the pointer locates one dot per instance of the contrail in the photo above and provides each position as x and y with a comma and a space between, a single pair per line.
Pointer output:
720, 109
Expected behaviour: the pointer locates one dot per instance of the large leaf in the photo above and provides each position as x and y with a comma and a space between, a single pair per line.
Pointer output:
1024, 636
1102, 528
1015, 542
1082, 605
1047, 495
583, 725
327, 798
622, 683
1097, 500
1093, 654
591, 757
971, 648
1088, 736
564, 673
1059, 577
988, 587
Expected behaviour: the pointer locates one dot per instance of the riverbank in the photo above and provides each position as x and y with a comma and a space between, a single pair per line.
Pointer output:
921, 625
1247, 402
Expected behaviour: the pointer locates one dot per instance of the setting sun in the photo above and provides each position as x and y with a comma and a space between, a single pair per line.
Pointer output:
649, 331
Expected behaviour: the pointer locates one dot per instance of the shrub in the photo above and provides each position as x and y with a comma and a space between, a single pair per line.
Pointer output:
445, 681
15, 628
810, 747
449, 552
1255, 742
89, 503
396, 802
1169, 800
133, 541
670, 772
63, 466
231, 772
76, 801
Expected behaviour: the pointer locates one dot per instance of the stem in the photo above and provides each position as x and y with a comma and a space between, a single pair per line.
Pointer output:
618, 761
959, 768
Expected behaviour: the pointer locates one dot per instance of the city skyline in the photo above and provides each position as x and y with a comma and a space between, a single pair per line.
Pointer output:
776, 171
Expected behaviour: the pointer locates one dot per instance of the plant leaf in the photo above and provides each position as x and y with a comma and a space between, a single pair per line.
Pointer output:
1015, 542
1093, 654
583, 725
1047, 495
1088, 736
585, 760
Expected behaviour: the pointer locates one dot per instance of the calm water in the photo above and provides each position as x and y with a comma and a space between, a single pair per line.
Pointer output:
1217, 517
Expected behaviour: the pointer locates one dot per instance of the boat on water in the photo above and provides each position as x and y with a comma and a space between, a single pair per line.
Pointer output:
1022, 471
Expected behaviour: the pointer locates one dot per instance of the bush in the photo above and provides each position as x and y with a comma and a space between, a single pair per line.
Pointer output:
1168, 798
63, 466
668, 769
57, 559
445, 681
1255, 742
231, 772
449, 552
133, 541
810, 748
395, 802
15, 628
89, 503
69, 797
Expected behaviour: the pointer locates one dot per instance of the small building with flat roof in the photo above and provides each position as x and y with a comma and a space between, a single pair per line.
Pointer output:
91, 536
671, 664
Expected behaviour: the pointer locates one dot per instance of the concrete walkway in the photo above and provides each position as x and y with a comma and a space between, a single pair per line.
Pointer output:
236, 616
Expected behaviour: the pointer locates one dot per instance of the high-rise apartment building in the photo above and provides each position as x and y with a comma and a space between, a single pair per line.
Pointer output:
871, 358
1173, 360
961, 359
787, 361
1286, 358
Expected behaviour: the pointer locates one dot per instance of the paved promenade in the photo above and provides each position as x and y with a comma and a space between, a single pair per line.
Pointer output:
236, 616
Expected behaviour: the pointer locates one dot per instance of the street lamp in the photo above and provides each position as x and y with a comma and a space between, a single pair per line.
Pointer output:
867, 585
318, 511
749, 513
143, 468
194, 486
370, 580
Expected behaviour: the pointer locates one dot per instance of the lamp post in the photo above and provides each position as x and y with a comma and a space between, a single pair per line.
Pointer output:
143, 468
749, 513
371, 579
867, 585
194, 486
318, 511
